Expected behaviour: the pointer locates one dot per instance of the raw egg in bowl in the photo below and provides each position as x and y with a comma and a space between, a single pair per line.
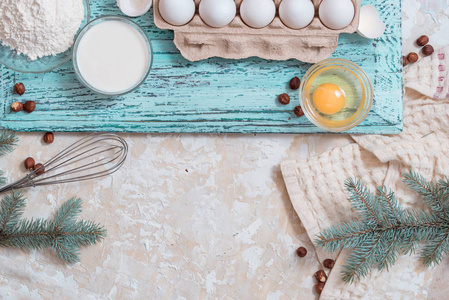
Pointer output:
336, 95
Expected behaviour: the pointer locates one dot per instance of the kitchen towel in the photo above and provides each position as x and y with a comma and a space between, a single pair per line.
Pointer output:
316, 186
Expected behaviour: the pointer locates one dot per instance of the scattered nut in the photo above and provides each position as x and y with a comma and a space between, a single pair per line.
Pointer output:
427, 50
422, 40
320, 276
16, 106
404, 61
319, 287
29, 106
284, 99
295, 83
298, 111
412, 57
29, 163
20, 88
39, 168
329, 263
49, 138
301, 251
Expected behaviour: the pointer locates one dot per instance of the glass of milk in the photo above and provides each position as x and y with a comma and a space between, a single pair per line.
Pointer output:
112, 56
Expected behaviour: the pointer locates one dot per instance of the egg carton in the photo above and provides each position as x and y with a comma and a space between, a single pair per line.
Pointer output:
197, 41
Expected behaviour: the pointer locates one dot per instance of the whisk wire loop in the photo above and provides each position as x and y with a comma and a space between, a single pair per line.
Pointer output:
94, 156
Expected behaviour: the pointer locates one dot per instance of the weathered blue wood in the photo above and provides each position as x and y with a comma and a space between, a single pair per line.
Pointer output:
216, 95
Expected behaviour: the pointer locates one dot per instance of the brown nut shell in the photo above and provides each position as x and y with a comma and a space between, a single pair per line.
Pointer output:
16, 107
320, 276
29, 106
19, 88
284, 99
412, 57
301, 251
295, 83
29, 163
422, 40
49, 138
427, 50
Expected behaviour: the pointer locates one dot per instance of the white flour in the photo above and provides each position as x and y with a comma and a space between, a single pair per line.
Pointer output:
39, 28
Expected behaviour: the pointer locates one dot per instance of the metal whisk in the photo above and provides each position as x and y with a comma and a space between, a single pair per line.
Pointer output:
96, 155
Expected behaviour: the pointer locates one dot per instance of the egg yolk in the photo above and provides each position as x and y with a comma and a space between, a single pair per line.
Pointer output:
329, 98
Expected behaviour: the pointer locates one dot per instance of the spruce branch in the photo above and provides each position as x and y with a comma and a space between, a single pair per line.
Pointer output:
8, 141
386, 230
63, 234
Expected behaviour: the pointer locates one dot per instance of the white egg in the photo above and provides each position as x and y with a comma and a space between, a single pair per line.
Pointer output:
336, 14
177, 12
217, 13
257, 13
296, 14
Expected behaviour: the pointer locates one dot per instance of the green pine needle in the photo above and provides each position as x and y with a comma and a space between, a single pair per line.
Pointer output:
8, 141
386, 230
64, 235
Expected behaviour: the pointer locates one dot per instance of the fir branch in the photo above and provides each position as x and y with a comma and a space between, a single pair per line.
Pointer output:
363, 201
8, 141
11, 209
63, 234
2, 179
430, 192
386, 230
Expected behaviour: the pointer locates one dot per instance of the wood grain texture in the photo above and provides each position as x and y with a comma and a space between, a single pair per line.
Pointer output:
215, 95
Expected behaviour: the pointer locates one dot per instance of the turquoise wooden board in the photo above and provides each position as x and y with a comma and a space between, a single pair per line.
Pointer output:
215, 95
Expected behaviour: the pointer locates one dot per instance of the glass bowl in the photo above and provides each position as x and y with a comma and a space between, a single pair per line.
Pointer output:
351, 79
21, 63
86, 29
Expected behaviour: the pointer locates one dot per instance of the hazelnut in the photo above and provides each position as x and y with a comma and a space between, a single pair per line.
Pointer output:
301, 251
39, 169
404, 61
284, 99
319, 287
16, 106
19, 88
49, 138
329, 263
320, 276
29, 163
412, 57
422, 40
427, 50
29, 106
298, 111
295, 83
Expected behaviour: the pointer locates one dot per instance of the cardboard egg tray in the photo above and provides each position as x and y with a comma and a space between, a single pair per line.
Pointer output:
198, 41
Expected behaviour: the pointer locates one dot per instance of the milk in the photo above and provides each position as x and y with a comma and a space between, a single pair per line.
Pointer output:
112, 56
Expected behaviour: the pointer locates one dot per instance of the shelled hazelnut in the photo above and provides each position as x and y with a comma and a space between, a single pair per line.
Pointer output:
284, 99
320, 276
329, 263
298, 111
301, 251
29, 163
412, 57
19, 88
427, 50
319, 287
422, 40
16, 107
295, 83
29, 106
49, 138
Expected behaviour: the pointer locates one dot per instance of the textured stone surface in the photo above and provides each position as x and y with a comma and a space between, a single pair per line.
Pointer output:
188, 217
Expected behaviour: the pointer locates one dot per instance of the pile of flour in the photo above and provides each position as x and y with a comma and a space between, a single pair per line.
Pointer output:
39, 28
